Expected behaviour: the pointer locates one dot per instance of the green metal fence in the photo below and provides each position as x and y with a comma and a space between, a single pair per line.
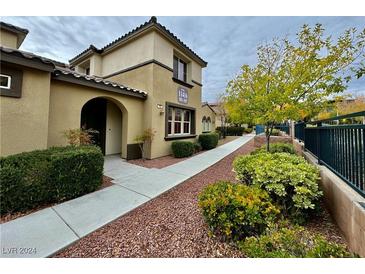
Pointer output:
339, 147
283, 127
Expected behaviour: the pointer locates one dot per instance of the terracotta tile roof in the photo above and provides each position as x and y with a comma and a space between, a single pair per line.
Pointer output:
60, 68
151, 22
31, 56
97, 80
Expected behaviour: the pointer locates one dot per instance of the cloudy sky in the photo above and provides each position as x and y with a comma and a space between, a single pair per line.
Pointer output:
226, 43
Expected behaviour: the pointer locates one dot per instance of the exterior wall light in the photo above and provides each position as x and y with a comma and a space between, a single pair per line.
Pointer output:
160, 107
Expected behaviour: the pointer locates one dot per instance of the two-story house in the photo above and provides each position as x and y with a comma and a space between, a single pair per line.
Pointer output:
145, 79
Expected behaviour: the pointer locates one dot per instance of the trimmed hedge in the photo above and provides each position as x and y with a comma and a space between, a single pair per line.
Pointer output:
197, 147
291, 182
231, 131
248, 130
56, 174
181, 149
235, 211
208, 140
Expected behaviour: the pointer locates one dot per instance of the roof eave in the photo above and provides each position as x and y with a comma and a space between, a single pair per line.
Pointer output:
22, 61
81, 81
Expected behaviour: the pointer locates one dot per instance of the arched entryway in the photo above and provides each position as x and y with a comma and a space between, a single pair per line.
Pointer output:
104, 116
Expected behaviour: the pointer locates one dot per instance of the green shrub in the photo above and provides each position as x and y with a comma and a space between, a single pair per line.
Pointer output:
231, 131
275, 132
275, 148
234, 211
291, 182
38, 177
197, 147
248, 130
208, 140
181, 149
296, 242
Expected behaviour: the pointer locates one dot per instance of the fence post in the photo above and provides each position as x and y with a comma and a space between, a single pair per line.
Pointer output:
319, 142
292, 130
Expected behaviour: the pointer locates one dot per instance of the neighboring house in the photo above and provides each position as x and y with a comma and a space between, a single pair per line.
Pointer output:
220, 115
208, 118
41, 98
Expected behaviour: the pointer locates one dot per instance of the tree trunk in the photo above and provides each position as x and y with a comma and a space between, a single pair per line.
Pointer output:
268, 131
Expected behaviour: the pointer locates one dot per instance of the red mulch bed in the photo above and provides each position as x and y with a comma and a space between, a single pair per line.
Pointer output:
165, 161
12, 216
172, 225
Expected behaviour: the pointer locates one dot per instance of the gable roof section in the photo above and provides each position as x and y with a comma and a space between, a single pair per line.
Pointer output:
20, 32
152, 23
208, 105
61, 71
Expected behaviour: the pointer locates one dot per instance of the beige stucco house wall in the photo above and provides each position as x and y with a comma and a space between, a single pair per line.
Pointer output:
66, 103
52, 101
24, 122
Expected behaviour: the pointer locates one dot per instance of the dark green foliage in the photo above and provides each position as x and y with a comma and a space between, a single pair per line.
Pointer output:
248, 130
235, 211
181, 149
231, 131
275, 148
197, 147
208, 140
291, 182
38, 177
275, 132
291, 242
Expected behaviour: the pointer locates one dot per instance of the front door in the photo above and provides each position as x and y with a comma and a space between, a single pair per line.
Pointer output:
93, 116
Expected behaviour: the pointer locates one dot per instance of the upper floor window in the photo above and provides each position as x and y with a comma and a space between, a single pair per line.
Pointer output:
5, 81
180, 69
87, 71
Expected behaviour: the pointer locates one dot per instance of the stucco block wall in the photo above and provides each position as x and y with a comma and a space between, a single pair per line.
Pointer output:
343, 203
24, 121
8, 39
66, 103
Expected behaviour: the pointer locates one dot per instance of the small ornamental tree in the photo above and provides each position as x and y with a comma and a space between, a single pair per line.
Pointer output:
294, 80
145, 139
80, 136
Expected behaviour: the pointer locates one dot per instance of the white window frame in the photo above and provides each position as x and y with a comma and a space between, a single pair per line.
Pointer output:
9, 81
182, 122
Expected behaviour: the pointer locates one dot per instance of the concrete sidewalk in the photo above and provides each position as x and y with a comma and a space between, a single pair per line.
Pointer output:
45, 232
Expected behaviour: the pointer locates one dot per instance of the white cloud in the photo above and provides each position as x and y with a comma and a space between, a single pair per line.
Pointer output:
225, 42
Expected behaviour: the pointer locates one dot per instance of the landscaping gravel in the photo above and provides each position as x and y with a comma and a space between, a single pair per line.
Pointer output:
169, 226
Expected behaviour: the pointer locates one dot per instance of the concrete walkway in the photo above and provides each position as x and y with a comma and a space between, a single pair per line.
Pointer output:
45, 232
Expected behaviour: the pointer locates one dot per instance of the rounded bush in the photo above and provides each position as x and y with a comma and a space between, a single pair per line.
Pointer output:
181, 149
235, 211
197, 147
208, 140
275, 148
291, 182
231, 130
287, 242
56, 174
